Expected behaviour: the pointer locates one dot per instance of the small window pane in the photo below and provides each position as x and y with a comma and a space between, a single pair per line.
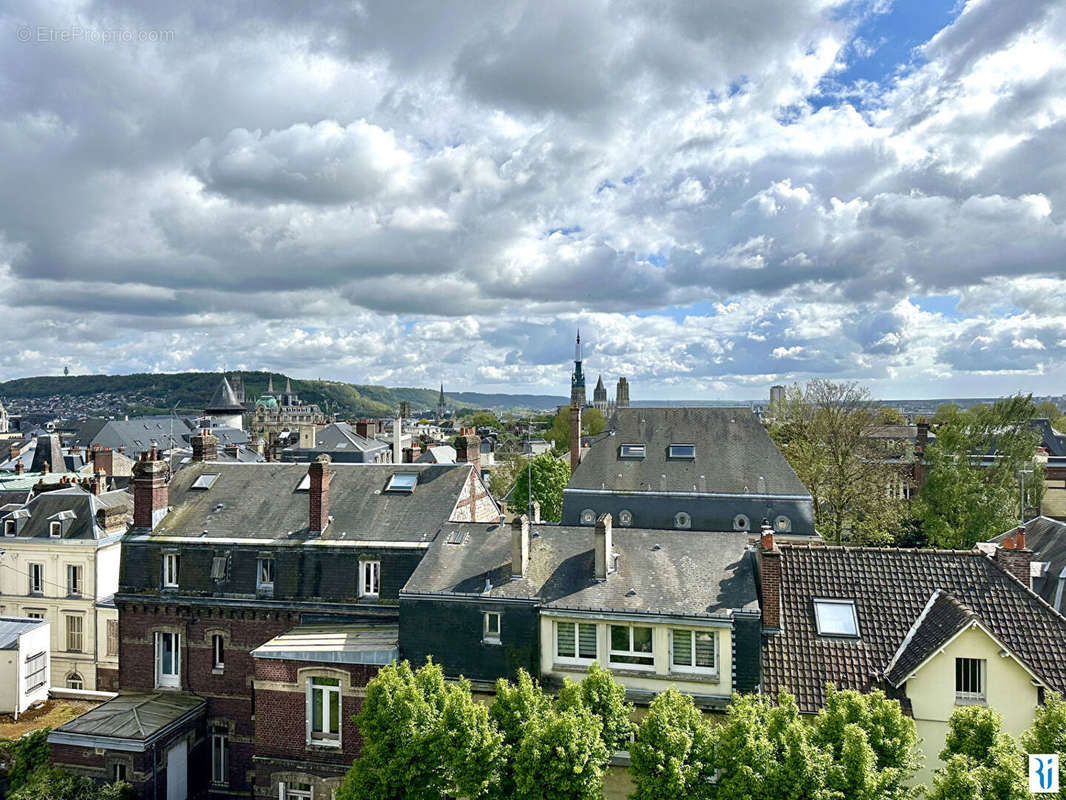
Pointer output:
564, 639
642, 640
587, 643
632, 451
705, 647
403, 482
682, 451
683, 648
619, 637
836, 618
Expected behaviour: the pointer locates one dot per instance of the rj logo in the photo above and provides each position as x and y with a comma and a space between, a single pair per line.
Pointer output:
1044, 773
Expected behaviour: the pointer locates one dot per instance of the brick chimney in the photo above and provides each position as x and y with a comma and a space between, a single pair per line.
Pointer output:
1015, 557
204, 446
19, 469
536, 512
468, 450
104, 459
603, 551
98, 485
769, 564
922, 435
232, 450
13, 451
150, 493
575, 437
519, 546
318, 494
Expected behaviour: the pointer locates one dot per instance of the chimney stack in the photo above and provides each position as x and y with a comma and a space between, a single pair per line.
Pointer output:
104, 459
319, 494
468, 450
604, 552
99, 482
519, 546
232, 450
19, 469
204, 446
575, 437
536, 512
151, 495
1015, 557
397, 440
13, 451
769, 564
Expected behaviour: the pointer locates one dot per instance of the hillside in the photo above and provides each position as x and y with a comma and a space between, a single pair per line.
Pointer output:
189, 391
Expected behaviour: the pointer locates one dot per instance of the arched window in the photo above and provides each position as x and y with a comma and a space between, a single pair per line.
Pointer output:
74, 681
588, 517
741, 522
625, 517
682, 520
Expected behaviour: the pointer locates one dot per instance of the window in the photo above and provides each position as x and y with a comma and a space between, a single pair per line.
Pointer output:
35, 614
492, 627
264, 580
969, 680
74, 633
218, 650
681, 451
625, 517
836, 618
575, 641
73, 579
741, 522
631, 645
36, 671
369, 578
9, 527
74, 681
695, 650
305, 483
682, 520
402, 482
218, 568
205, 481
167, 660
297, 791
588, 517
324, 711
118, 773
782, 524
220, 756
36, 578
171, 562
55, 529
112, 638
631, 451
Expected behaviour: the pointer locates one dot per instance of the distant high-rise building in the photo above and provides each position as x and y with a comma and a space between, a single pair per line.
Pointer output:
777, 394
621, 395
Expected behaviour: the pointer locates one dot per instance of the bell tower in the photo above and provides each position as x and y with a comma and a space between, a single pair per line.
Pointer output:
577, 379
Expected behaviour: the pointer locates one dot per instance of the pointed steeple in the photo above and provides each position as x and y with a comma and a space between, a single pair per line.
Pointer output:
288, 386
577, 379
223, 400
270, 385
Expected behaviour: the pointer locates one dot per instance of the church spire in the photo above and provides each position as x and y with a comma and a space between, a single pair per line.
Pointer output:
270, 385
577, 379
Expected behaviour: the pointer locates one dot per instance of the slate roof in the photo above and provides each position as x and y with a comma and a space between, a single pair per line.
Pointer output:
131, 716
734, 454
890, 589
224, 399
942, 617
48, 449
1046, 537
340, 436
262, 501
44, 507
659, 572
1053, 440
11, 628
139, 433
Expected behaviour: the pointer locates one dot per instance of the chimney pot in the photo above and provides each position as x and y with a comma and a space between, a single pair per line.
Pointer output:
519, 546
536, 512
603, 550
1015, 557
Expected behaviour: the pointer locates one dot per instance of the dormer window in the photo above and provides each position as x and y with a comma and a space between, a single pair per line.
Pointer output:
55, 529
836, 618
681, 451
170, 570
782, 524
402, 482
9, 527
631, 451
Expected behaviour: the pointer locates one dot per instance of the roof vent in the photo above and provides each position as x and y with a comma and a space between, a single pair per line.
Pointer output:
656, 547
631, 593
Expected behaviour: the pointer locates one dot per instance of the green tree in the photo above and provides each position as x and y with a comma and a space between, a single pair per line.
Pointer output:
24, 755
963, 500
592, 423
674, 751
423, 738
605, 697
765, 752
513, 711
1053, 414
561, 757
886, 415
49, 783
873, 746
504, 473
549, 478
484, 419
823, 431
1048, 732
981, 760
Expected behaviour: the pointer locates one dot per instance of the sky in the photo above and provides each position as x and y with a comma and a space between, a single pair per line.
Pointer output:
721, 194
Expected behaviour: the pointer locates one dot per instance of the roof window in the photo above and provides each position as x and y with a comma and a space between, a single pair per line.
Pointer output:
205, 481
456, 537
682, 451
631, 451
305, 483
836, 618
402, 482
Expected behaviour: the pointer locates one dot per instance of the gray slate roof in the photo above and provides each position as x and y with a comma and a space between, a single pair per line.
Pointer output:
11, 628
138, 434
1046, 537
659, 572
262, 501
340, 436
83, 505
890, 588
132, 716
734, 454
224, 399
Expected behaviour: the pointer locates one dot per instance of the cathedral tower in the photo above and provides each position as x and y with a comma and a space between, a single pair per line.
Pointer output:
577, 380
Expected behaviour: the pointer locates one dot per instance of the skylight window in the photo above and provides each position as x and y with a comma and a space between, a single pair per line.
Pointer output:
402, 482
682, 451
305, 483
205, 481
456, 537
631, 451
836, 618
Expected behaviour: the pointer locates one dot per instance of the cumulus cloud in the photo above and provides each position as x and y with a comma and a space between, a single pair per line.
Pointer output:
383, 194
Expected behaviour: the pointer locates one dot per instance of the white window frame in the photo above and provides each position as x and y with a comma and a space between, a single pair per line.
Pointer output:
634, 451
577, 658
260, 568
674, 451
219, 757
10, 527
74, 573
169, 680
75, 633
171, 567
36, 586
969, 696
36, 670
55, 529
836, 601
683, 520
325, 737
489, 635
218, 651
369, 577
75, 677
630, 653
119, 772
287, 792
692, 633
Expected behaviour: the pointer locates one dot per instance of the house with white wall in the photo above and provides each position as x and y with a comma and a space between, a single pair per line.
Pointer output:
24, 657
